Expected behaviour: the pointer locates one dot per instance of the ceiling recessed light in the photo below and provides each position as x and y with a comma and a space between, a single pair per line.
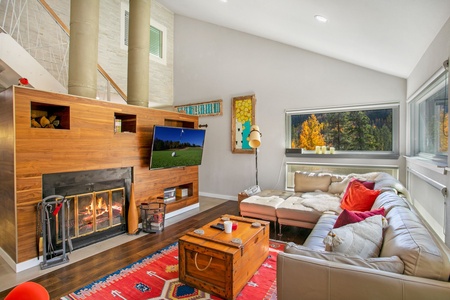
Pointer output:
224, 1
320, 18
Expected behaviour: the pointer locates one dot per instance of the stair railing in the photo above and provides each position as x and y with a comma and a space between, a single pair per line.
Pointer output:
52, 55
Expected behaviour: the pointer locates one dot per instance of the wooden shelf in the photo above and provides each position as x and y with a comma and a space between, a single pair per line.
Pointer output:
124, 123
180, 201
179, 123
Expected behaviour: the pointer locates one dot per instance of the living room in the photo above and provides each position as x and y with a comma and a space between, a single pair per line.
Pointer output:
214, 62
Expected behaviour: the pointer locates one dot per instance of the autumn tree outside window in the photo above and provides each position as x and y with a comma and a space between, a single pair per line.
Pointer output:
363, 129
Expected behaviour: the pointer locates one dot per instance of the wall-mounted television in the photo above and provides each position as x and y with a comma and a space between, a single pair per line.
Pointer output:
176, 147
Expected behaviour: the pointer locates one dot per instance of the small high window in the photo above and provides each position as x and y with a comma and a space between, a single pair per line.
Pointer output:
158, 36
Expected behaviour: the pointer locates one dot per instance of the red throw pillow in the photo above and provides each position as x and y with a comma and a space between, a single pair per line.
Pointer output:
349, 217
358, 197
368, 184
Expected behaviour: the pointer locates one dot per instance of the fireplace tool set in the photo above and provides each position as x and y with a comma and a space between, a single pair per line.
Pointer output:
53, 212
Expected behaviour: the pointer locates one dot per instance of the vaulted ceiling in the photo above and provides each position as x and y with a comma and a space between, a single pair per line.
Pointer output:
384, 35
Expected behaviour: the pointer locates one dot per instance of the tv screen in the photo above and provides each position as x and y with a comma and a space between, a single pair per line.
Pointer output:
176, 147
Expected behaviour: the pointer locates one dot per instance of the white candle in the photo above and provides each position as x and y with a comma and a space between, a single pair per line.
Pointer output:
331, 150
318, 150
324, 149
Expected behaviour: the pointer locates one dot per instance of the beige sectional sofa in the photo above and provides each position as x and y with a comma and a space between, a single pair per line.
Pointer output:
412, 262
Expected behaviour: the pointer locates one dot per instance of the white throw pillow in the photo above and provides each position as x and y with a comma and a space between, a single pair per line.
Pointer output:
363, 239
339, 187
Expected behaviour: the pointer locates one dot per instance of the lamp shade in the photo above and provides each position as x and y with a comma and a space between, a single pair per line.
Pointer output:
254, 137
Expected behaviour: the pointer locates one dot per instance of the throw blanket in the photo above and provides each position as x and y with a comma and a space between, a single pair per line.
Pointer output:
322, 201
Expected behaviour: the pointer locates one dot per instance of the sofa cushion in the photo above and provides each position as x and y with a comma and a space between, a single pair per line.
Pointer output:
358, 197
349, 217
322, 201
362, 239
319, 232
408, 238
260, 207
388, 200
310, 182
278, 193
293, 209
391, 264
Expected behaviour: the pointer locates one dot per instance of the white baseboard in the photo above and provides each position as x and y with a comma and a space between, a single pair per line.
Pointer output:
182, 210
226, 197
20, 266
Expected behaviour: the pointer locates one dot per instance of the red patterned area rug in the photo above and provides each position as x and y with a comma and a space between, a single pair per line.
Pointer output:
156, 277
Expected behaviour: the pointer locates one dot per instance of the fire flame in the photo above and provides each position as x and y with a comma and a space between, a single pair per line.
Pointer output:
101, 205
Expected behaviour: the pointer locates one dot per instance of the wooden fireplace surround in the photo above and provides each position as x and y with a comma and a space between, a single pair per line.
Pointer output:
86, 139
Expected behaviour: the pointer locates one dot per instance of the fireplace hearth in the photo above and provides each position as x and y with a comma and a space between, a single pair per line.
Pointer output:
97, 204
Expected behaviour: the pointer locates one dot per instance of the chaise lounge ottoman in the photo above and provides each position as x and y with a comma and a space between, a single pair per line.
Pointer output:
263, 205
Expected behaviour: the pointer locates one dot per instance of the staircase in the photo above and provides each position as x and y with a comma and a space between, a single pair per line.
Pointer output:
16, 62
34, 43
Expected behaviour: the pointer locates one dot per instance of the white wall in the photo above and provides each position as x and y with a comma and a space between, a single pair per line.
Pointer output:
431, 61
213, 62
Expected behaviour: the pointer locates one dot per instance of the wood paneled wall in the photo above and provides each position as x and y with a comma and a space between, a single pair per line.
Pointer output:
89, 144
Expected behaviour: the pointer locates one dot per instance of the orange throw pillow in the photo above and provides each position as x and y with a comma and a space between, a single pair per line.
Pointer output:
358, 197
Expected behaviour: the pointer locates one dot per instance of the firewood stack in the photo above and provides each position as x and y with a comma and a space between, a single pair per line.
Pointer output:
44, 122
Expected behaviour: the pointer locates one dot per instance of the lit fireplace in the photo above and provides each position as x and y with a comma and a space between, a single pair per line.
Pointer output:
97, 207
94, 212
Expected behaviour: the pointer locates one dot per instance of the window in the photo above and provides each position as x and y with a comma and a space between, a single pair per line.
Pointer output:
429, 119
367, 129
158, 36
156, 40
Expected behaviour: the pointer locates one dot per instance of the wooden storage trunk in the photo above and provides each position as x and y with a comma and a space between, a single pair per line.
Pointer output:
213, 263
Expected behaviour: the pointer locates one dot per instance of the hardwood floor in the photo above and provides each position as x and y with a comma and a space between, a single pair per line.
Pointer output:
76, 275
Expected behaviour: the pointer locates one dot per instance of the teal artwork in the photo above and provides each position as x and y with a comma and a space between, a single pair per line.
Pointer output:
211, 108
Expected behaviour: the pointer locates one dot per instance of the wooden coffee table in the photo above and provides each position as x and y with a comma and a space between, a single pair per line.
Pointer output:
215, 261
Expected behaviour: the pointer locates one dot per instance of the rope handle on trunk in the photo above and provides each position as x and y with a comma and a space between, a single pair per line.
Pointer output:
195, 260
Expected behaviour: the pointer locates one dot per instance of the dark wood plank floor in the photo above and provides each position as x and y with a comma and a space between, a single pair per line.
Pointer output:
74, 276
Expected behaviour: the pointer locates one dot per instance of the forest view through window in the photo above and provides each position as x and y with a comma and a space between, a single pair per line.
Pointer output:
369, 129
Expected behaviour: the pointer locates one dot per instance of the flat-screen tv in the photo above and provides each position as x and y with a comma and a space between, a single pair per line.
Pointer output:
176, 147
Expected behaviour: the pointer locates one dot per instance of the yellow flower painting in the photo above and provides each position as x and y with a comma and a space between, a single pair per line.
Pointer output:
243, 116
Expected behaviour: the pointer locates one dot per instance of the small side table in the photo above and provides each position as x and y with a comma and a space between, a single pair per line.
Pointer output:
241, 196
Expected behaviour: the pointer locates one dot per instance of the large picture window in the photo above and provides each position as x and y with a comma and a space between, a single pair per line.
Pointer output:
366, 129
429, 119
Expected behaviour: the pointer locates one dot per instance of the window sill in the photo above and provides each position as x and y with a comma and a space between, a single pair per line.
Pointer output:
358, 155
433, 165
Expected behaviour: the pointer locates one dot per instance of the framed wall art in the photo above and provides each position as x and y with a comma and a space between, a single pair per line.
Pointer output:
242, 118
203, 109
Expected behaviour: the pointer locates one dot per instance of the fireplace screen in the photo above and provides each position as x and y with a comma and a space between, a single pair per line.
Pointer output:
94, 212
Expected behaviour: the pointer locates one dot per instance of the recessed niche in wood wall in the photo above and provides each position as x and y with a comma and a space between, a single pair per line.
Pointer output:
51, 116
124, 123
178, 123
